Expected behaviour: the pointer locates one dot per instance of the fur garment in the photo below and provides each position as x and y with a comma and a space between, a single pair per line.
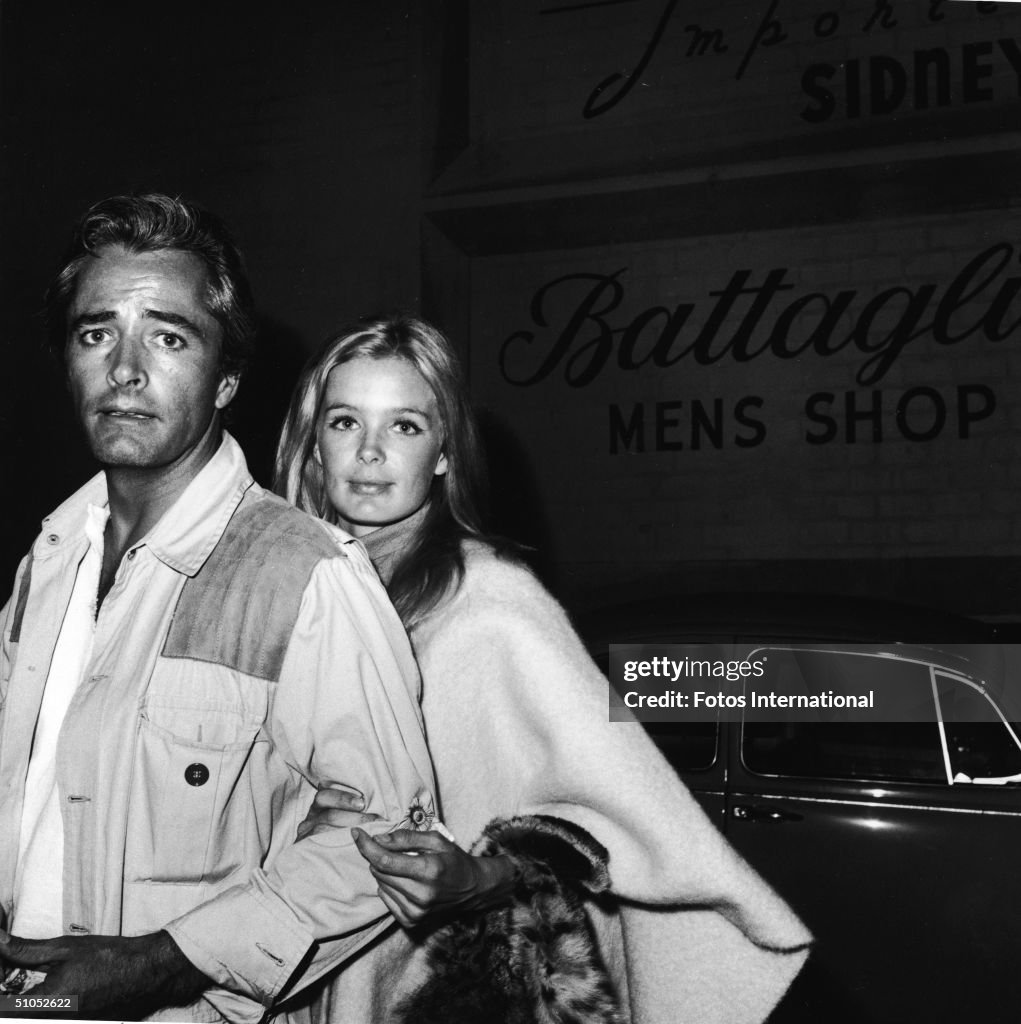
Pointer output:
534, 959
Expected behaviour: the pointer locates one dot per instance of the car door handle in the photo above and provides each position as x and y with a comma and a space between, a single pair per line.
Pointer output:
763, 812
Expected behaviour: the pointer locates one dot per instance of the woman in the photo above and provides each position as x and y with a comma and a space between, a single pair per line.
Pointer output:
380, 440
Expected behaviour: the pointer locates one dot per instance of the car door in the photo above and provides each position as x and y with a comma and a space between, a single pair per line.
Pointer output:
907, 877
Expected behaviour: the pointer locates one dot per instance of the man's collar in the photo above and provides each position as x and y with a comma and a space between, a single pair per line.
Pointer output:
66, 521
189, 530
192, 526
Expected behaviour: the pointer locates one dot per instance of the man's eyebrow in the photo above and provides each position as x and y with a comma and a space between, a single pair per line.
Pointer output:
105, 316
175, 320
96, 316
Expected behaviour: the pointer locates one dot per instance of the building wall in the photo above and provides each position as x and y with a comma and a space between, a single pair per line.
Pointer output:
741, 284
776, 250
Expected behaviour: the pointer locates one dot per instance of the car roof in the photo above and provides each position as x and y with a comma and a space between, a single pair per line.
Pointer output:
789, 616
784, 619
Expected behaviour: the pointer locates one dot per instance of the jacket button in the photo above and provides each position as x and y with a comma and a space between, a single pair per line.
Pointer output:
196, 774
52, 538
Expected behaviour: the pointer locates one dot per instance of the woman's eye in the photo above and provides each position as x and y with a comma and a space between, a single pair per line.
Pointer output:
172, 341
407, 427
342, 423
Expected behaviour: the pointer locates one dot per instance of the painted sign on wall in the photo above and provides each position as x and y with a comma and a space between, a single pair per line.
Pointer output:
834, 392
731, 76
744, 281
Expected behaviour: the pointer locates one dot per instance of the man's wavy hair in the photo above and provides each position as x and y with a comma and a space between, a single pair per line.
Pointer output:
152, 223
433, 564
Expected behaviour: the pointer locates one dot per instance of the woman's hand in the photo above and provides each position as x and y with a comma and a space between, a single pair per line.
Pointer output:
423, 875
334, 808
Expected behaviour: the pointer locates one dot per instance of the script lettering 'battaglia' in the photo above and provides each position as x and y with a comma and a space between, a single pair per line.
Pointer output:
580, 339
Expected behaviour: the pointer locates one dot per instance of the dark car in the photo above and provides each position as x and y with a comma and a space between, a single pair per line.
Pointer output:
897, 842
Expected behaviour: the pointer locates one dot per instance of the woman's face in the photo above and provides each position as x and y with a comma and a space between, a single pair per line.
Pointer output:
380, 442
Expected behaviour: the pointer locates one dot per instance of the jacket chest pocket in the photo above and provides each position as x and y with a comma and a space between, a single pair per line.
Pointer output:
199, 756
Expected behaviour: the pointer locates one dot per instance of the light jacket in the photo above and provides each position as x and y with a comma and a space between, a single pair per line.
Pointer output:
245, 655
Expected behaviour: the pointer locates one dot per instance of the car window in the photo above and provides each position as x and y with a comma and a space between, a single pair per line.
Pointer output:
688, 746
980, 744
831, 746
879, 751
906, 685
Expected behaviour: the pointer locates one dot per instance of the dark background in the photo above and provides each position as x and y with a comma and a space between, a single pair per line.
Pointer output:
319, 132
259, 116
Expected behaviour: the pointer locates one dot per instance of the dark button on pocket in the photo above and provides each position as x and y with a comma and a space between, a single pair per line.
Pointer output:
196, 774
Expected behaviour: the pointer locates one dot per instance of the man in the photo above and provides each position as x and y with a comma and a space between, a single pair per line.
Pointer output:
185, 658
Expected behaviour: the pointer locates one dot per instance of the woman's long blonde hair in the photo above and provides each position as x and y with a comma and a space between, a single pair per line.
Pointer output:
433, 564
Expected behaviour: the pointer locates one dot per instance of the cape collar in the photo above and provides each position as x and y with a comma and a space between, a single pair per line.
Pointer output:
386, 545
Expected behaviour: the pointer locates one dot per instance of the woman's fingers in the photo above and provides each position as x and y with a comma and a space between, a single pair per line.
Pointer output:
320, 821
419, 884
426, 874
427, 893
332, 798
402, 852
405, 915
405, 862
406, 839
334, 808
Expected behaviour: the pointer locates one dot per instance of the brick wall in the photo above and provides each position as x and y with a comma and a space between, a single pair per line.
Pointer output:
458, 156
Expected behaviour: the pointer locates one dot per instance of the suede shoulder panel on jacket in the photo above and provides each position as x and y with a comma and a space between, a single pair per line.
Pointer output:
239, 610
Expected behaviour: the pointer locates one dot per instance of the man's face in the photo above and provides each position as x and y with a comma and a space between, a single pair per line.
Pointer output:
143, 357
